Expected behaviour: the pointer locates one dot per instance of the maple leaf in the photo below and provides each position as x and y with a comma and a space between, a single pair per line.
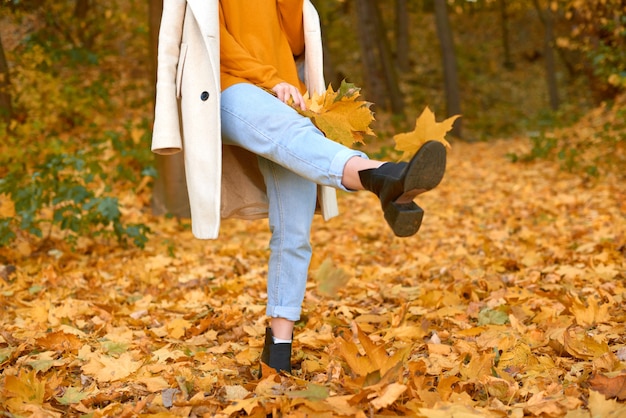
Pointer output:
60, 341
71, 395
583, 346
375, 359
590, 313
339, 114
492, 316
177, 327
5, 354
612, 387
154, 384
330, 278
25, 387
461, 411
389, 395
110, 369
312, 392
600, 406
247, 405
426, 129
44, 361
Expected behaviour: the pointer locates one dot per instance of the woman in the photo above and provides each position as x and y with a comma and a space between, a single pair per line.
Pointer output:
227, 83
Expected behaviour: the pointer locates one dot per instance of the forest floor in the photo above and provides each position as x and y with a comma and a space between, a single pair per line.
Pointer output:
510, 301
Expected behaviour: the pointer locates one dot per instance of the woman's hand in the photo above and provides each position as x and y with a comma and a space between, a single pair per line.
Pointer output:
285, 91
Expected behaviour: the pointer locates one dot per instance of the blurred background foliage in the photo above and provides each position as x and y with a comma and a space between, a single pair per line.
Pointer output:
501, 65
78, 126
77, 76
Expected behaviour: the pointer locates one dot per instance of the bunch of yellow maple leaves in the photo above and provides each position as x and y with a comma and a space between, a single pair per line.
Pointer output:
342, 117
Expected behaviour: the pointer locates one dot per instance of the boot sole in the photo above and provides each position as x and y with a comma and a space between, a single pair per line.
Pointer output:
424, 173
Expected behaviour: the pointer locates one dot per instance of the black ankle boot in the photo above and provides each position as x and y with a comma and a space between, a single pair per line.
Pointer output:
397, 184
277, 356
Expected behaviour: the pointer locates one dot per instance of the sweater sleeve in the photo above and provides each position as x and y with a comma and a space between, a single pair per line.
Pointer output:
236, 61
291, 20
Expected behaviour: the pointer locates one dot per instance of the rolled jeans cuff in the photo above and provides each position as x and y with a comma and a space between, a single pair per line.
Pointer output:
338, 163
291, 314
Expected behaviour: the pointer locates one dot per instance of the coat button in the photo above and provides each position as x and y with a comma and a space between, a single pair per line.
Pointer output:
204, 96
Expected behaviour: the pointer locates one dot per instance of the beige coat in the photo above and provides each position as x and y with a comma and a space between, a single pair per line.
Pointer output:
222, 181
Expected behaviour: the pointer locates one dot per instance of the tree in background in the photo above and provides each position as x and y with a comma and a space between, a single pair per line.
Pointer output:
597, 34
378, 65
448, 54
402, 35
548, 47
506, 43
6, 109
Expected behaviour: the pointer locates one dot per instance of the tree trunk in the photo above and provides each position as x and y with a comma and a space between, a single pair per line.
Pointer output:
81, 8
402, 35
6, 109
332, 76
553, 87
170, 187
378, 66
386, 58
444, 32
374, 83
550, 62
506, 44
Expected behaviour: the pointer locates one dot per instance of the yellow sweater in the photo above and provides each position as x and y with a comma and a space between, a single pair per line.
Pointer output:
258, 42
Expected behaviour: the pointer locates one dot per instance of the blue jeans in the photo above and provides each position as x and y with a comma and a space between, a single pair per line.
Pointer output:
294, 156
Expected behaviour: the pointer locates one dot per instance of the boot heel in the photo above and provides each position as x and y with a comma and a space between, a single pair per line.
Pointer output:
404, 219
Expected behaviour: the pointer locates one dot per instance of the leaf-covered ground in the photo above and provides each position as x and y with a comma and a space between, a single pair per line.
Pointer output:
511, 301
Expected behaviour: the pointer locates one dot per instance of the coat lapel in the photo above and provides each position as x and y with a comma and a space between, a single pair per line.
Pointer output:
206, 13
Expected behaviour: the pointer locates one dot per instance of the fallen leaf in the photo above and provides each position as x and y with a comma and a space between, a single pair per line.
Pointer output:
43, 362
600, 406
25, 387
492, 317
583, 346
611, 387
234, 392
541, 404
590, 313
330, 279
449, 411
109, 369
71, 395
376, 358
178, 327
247, 405
312, 392
154, 384
388, 396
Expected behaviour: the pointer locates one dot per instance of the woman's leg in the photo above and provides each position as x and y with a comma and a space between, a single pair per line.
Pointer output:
292, 201
260, 123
